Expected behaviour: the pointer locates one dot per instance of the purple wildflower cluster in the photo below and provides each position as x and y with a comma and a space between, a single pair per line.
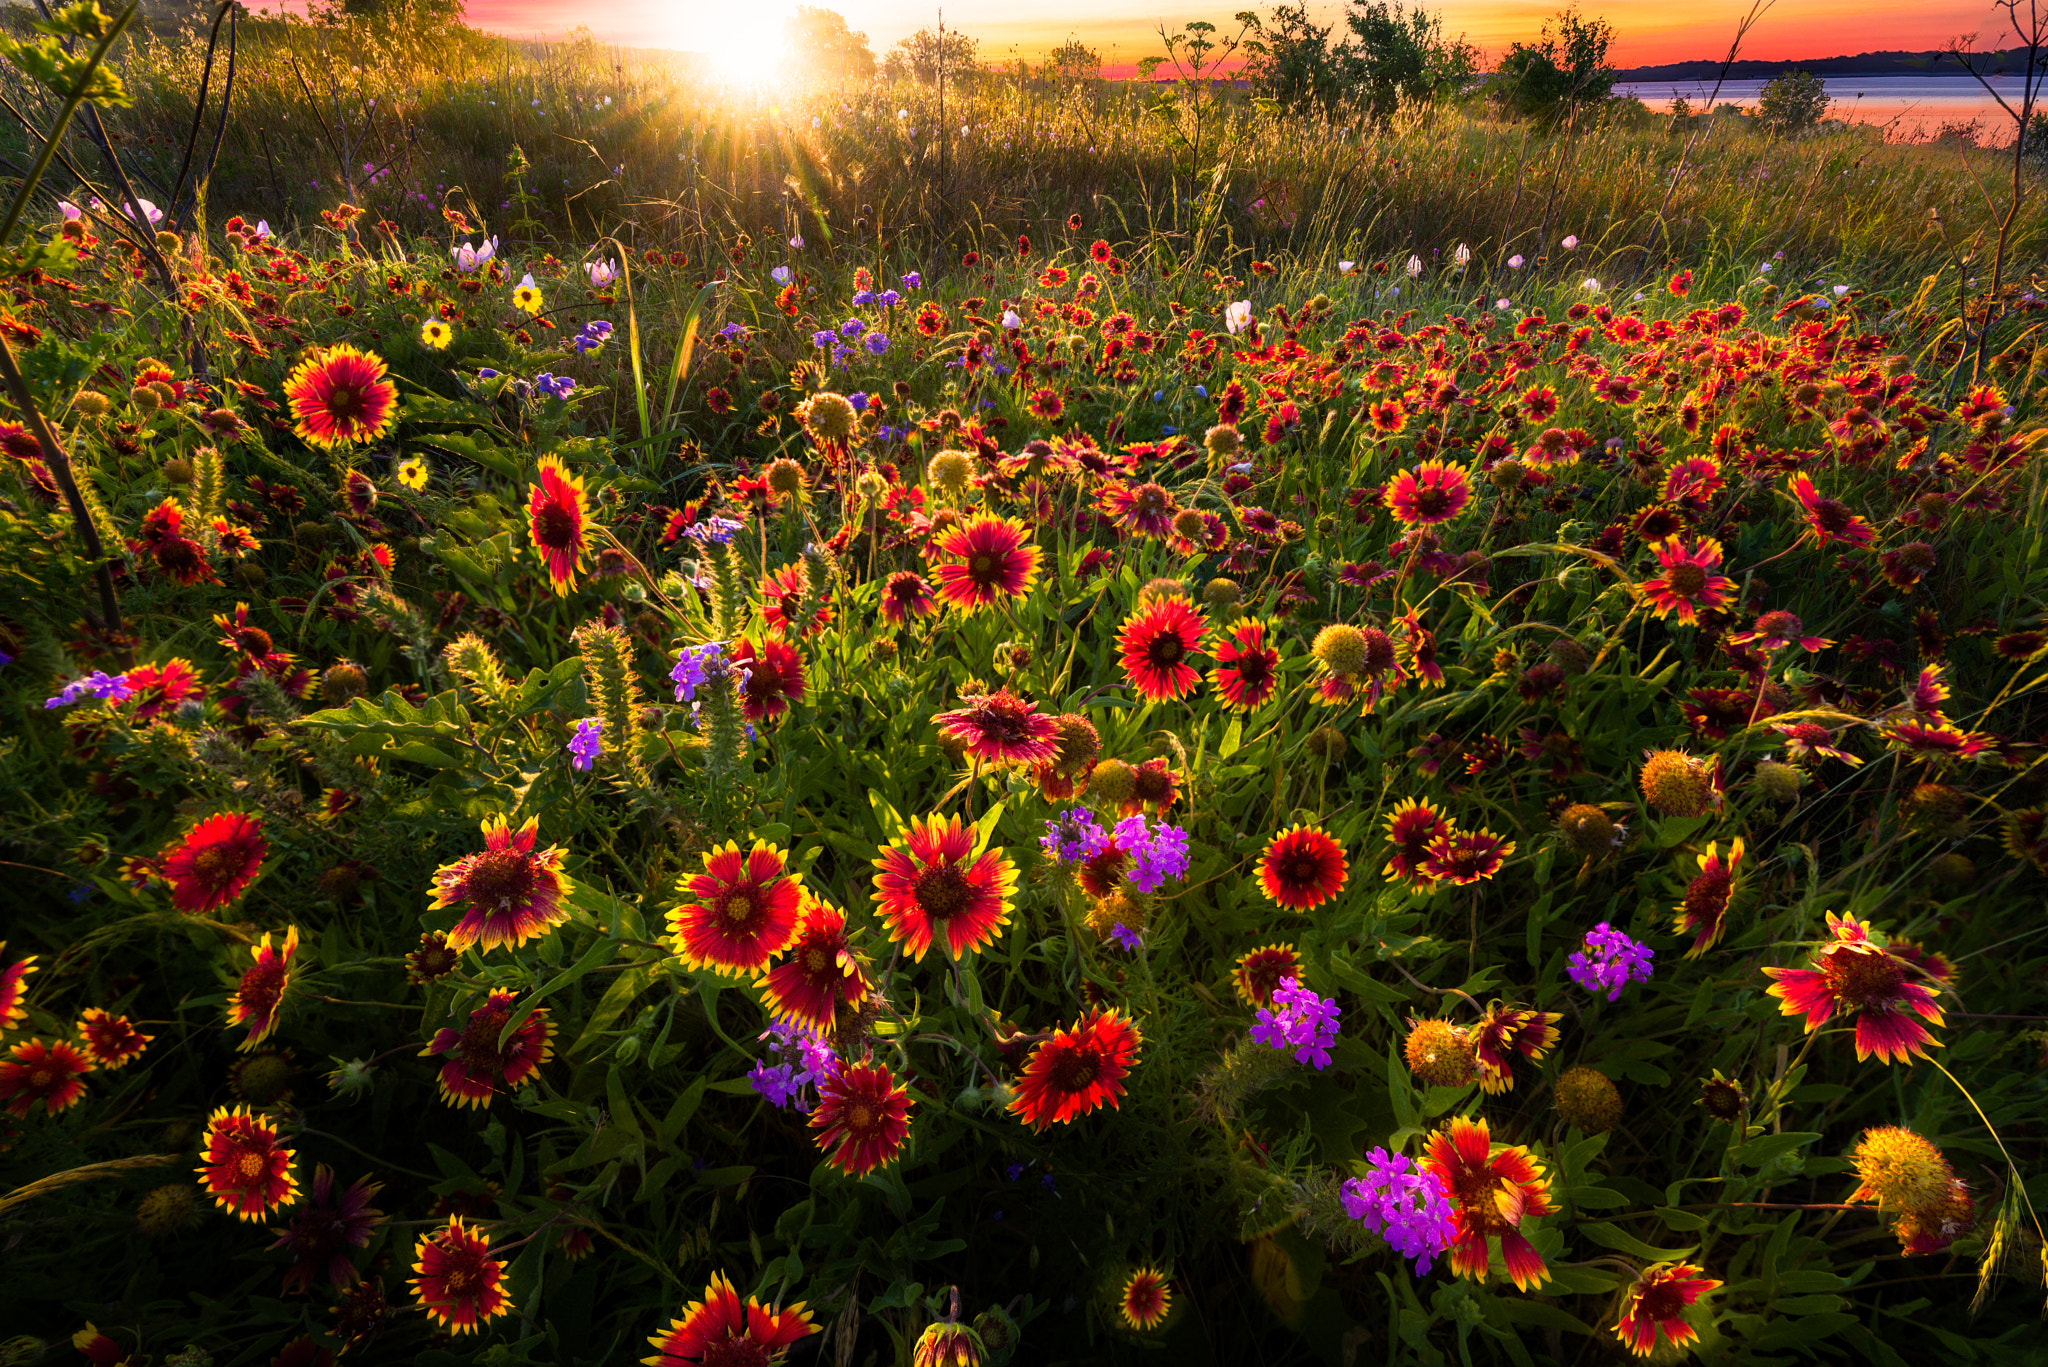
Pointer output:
697, 666
1299, 1020
803, 1058
1404, 1205
543, 385
585, 746
595, 334
1609, 960
98, 684
1074, 835
1157, 853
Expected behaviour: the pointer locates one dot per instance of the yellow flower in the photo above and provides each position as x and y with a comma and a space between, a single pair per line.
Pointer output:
412, 473
436, 334
526, 298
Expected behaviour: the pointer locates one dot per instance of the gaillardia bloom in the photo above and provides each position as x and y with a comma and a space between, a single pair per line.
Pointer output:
247, 1170
460, 1285
1460, 857
1855, 974
110, 1041
508, 894
478, 1066
1688, 583
1302, 868
1001, 728
1155, 642
822, 972
1429, 495
721, 1329
324, 1228
1080, 1069
1260, 972
1708, 897
215, 861
1247, 669
1504, 1031
742, 910
1146, 1298
931, 886
1658, 1300
260, 995
13, 989
775, 677
862, 1116
50, 1073
1494, 1191
558, 516
1412, 827
905, 595
983, 561
341, 396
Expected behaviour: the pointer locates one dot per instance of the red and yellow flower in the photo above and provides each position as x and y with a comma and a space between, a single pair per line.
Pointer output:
1461, 857
1688, 583
822, 972
1433, 493
932, 887
1079, 1070
1247, 669
259, 997
1147, 1296
1413, 826
775, 677
248, 1169
215, 861
1658, 1300
558, 517
110, 1041
459, 1284
1302, 868
741, 911
49, 1073
1001, 728
1501, 1033
721, 1329
478, 1066
1155, 643
984, 561
1260, 972
341, 396
508, 894
1708, 897
1493, 1191
862, 1117
14, 990
1856, 975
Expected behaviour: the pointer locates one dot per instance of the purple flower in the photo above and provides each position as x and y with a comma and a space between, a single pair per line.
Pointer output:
852, 327
803, 1059
888, 299
694, 666
822, 339
486, 373
911, 280
862, 298
1405, 1206
731, 332
859, 400
1156, 855
585, 746
98, 684
877, 343
1073, 836
1128, 938
554, 387
1609, 960
1303, 1022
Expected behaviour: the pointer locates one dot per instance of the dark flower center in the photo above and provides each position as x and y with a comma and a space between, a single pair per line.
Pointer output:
817, 957
1861, 979
1660, 1300
1075, 1070
345, 402
1431, 501
214, 864
1686, 581
943, 891
249, 1165
982, 568
1166, 649
555, 527
737, 906
1301, 868
499, 878
739, 1352
860, 1117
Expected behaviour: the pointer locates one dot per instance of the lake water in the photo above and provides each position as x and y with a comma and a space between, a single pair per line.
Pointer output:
1911, 108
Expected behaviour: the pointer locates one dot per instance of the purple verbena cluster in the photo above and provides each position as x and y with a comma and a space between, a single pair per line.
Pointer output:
1404, 1205
1072, 836
98, 684
803, 1058
696, 666
586, 745
1299, 1020
1158, 853
1609, 961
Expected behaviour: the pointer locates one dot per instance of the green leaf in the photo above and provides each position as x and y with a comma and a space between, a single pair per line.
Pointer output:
1764, 1148
491, 456
601, 952
1621, 1241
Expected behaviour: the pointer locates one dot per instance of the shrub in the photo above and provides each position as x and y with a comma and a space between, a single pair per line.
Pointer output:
1793, 103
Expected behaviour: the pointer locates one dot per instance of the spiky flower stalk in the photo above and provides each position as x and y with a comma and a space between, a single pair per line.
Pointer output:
470, 658
729, 606
614, 690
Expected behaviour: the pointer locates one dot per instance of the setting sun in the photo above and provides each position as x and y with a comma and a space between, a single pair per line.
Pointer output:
741, 42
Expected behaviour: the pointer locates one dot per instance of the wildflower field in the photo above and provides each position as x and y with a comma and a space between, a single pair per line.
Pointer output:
784, 789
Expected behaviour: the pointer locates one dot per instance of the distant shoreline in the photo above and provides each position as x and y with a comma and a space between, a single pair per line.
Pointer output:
1866, 64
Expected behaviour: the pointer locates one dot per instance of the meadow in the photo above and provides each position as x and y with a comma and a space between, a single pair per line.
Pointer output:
647, 719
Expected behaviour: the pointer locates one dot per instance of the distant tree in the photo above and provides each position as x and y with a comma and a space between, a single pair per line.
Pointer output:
1072, 62
1401, 59
1289, 61
924, 54
1793, 103
821, 46
1564, 71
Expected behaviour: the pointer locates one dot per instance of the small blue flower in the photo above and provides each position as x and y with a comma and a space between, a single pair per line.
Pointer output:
911, 280
822, 338
852, 327
888, 299
877, 343
585, 746
1203, 390
862, 298
859, 400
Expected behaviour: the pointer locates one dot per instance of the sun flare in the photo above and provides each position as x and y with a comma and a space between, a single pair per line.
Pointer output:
741, 43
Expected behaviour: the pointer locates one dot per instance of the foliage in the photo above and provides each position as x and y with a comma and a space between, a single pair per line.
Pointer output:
821, 46
1793, 103
1073, 62
1402, 61
925, 55
1289, 62
1562, 73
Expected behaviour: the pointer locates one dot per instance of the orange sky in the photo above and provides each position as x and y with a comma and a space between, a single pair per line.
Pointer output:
1646, 30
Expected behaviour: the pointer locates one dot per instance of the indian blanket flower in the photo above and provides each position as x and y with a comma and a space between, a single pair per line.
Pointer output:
1907, 1175
215, 862
931, 887
862, 1117
247, 1169
586, 745
1708, 897
1461, 857
1828, 520
1299, 1021
49, 1073
723, 1331
1657, 1301
1147, 1295
1431, 494
1857, 976
477, 1065
1260, 972
1247, 669
508, 894
821, 974
1413, 827
1493, 1191
905, 595
110, 1041
1155, 643
14, 990
1608, 960
1078, 1070
740, 912
1302, 868
260, 995
1688, 583
1403, 1204
1001, 728
1503, 1032
774, 675
325, 1227
341, 396
459, 1284
558, 516
984, 561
